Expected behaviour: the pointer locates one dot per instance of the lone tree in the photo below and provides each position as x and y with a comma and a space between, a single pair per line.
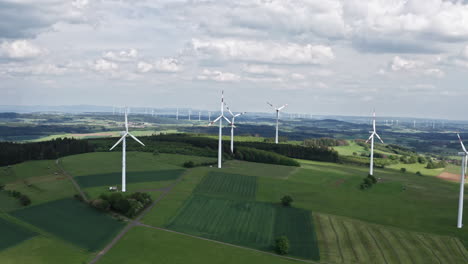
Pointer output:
282, 245
286, 200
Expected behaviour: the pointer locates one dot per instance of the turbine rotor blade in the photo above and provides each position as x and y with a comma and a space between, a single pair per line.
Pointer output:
126, 121
243, 113
379, 138
270, 104
367, 141
216, 120
120, 140
136, 139
229, 121
280, 108
227, 107
461, 142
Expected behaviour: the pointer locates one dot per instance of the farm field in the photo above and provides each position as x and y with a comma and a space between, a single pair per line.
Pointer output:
148, 244
110, 179
44, 250
111, 162
28, 169
228, 185
344, 240
13, 234
90, 230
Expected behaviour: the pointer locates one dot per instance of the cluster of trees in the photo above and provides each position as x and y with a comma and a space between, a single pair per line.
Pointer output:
262, 156
368, 182
11, 153
286, 200
23, 198
128, 205
325, 142
436, 164
282, 245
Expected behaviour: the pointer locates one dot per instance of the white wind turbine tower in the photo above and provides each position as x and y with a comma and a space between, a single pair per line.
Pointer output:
124, 146
199, 116
220, 119
232, 125
209, 116
189, 113
464, 155
277, 109
371, 138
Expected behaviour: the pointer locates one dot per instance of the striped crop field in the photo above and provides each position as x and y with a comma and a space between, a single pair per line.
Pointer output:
247, 223
344, 240
228, 185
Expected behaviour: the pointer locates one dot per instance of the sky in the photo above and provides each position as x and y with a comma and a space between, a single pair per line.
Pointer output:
326, 57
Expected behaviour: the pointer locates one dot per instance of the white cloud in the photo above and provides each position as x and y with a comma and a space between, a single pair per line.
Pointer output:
102, 65
168, 65
122, 56
266, 52
20, 49
218, 76
262, 69
144, 67
399, 64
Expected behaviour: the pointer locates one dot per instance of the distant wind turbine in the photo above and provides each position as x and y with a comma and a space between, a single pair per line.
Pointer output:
124, 146
371, 138
220, 119
177, 114
277, 109
464, 155
232, 125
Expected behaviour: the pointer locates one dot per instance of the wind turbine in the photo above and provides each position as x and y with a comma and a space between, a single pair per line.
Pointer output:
277, 109
124, 146
464, 155
220, 119
371, 138
232, 125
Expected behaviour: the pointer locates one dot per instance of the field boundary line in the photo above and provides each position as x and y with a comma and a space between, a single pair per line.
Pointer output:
77, 186
134, 222
232, 245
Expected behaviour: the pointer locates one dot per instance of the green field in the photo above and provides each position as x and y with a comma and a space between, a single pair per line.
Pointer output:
12, 234
72, 221
28, 169
148, 245
343, 240
228, 185
110, 179
111, 162
8, 203
44, 250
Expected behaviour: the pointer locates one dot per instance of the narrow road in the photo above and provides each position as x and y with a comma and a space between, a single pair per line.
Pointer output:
134, 222
77, 187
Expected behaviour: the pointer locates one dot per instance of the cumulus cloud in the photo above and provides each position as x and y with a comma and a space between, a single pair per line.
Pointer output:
39, 69
260, 69
122, 56
399, 64
102, 65
20, 49
167, 65
263, 51
218, 76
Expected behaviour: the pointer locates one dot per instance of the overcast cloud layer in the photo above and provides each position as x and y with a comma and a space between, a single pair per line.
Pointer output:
407, 58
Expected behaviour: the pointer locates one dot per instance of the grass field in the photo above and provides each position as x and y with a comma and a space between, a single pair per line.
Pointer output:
44, 250
110, 179
413, 168
111, 162
228, 185
28, 169
90, 230
12, 234
147, 245
344, 240
8, 203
